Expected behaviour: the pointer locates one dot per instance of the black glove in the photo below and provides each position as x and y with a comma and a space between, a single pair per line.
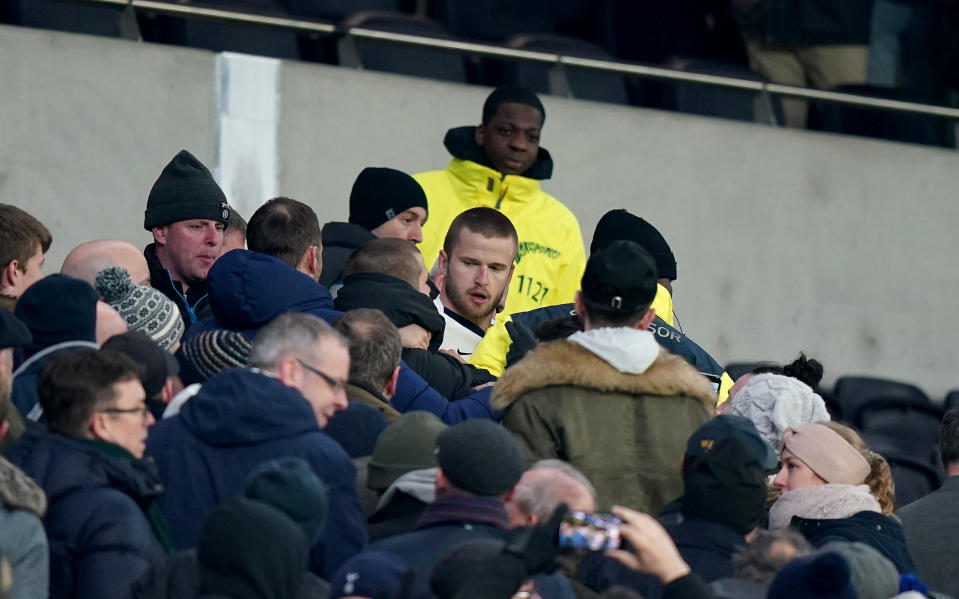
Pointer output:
523, 341
537, 545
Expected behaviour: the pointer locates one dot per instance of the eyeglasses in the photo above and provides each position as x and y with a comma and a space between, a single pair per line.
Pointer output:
143, 411
332, 382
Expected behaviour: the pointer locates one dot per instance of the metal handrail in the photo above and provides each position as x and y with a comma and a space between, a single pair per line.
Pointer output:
609, 66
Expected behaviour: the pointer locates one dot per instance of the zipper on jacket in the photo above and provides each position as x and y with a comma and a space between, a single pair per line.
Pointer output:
186, 302
499, 202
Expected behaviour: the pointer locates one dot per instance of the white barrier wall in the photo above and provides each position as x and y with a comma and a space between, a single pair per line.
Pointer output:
786, 240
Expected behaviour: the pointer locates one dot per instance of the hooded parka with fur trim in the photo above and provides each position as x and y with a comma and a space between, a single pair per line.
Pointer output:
626, 432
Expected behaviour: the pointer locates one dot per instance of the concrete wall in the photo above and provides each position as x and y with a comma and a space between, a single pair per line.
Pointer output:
786, 240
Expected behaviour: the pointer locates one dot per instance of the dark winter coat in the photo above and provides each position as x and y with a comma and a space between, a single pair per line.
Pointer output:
932, 526
706, 546
872, 528
178, 577
99, 534
668, 336
239, 419
422, 548
339, 241
194, 305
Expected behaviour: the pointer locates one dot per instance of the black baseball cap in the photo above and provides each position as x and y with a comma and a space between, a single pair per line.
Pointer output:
621, 275
712, 434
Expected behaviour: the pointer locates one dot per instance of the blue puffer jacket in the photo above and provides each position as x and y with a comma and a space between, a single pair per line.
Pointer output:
249, 289
100, 538
239, 419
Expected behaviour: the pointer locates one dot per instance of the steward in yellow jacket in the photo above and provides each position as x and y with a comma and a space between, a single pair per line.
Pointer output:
499, 164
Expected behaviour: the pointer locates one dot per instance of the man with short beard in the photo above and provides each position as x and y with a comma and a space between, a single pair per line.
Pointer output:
188, 215
475, 268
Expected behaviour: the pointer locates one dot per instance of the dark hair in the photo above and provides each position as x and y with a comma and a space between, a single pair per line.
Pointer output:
558, 328
375, 346
506, 94
488, 222
802, 369
236, 224
387, 256
759, 560
604, 315
19, 235
73, 385
283, 228
949, 438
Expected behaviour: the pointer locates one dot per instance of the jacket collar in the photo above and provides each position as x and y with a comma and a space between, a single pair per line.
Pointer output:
563, 362
461, 143
456, 509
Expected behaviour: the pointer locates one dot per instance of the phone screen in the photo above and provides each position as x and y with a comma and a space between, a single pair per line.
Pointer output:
589, 532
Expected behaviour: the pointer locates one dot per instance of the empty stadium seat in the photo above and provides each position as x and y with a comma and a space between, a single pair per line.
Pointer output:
337, 10
914, 478
952, 400
882, 124
580, 83
396, 58
852, 391
728, 103
223, 36
73, 17
494, 20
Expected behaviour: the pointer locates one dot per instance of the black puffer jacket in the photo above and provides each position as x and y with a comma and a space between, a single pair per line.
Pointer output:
97, 523
339, 241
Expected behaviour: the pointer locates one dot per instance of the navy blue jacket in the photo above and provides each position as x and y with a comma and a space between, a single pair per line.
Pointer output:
249, 289
666, 335
100, 538
880, 532
239, 419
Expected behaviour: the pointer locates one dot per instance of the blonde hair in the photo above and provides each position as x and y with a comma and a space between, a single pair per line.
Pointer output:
879, 480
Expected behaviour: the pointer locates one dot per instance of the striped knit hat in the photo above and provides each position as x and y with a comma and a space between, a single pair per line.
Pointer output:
143, 308
212, 352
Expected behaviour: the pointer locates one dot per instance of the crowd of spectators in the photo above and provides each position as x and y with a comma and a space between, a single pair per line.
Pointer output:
240, 412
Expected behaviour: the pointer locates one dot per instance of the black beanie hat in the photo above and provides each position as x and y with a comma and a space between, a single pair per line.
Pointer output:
185, 190
619, 224
480, 457
58, 308
291, 486
379, 194
823, 575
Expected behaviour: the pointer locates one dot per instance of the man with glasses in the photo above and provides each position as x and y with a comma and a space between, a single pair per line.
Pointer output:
245, 416
103, 527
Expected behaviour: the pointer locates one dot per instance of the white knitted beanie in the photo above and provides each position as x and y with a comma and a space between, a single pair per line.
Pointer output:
775, 402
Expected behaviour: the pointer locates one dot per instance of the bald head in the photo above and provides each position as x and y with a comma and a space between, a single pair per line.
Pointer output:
88, 259
543, 487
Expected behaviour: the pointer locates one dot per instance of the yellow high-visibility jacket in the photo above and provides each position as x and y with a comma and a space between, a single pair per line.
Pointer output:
551, 256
